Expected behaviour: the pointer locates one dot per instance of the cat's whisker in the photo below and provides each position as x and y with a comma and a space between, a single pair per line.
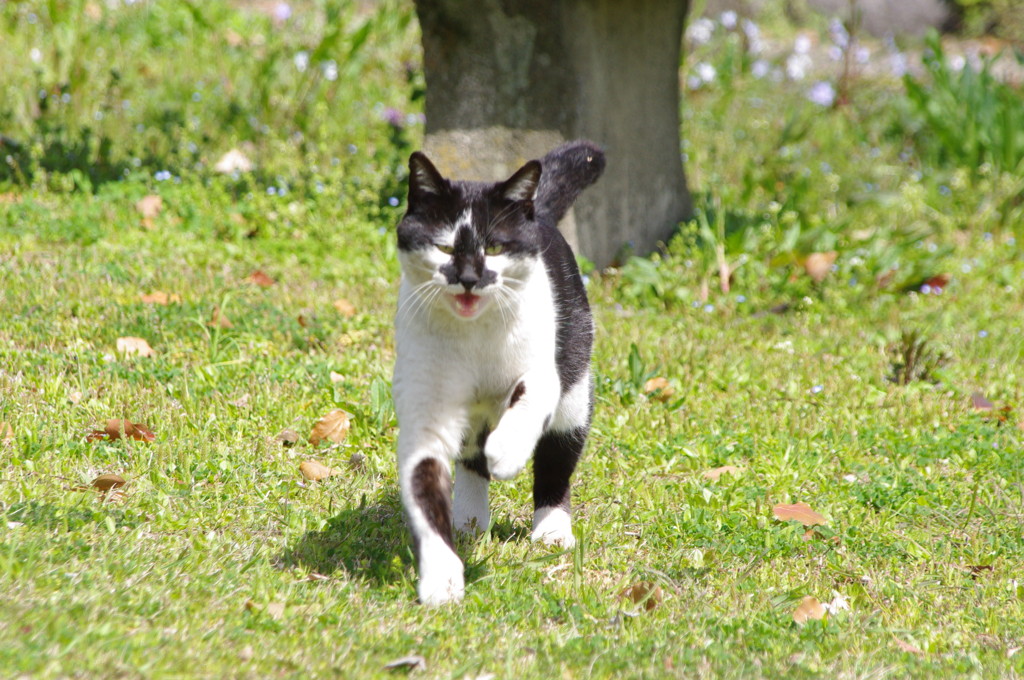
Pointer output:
413, 296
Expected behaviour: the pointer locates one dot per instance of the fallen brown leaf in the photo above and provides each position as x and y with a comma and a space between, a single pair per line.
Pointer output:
907, 647
644, 592
413, 662
315, 471
149, 206
333, 426
261, 279
108, 481
345, 308
158, 297
287, 437
658, 388
717, 472
818, 265
219, 319
809, 608
131, 346
980, 403
801, 512
116, 428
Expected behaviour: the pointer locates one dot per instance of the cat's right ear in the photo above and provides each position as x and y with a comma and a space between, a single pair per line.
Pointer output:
424, 179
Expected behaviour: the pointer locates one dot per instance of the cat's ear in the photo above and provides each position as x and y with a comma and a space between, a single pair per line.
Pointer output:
522, 186
424, 179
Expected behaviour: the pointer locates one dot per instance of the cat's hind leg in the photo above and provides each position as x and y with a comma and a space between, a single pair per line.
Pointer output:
472, 513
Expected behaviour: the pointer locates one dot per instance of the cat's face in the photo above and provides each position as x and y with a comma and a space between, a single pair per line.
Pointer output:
468, 246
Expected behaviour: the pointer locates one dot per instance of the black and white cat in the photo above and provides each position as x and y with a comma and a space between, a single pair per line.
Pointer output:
493, 335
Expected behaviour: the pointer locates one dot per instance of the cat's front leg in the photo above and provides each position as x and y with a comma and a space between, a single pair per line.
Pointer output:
530, 409
425, 482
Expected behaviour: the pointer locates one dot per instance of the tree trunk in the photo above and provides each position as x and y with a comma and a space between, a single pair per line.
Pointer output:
507, 80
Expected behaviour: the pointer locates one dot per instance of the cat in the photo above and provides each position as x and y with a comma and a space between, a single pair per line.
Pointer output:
493, 342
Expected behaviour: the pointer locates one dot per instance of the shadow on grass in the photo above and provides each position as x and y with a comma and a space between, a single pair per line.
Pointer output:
368, 540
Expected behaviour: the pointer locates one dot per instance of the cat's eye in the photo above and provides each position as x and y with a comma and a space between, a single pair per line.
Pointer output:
495, 249
447, 250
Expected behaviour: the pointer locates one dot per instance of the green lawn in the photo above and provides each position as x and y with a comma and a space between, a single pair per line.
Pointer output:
218, 558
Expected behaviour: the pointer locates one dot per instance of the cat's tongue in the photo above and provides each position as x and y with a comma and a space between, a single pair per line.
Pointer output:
466, 304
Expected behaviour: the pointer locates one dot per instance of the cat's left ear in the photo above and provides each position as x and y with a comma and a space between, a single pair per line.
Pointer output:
522, 186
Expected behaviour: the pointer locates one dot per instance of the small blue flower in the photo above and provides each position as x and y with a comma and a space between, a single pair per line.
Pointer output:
944, 190
709, 308
741, 299
822, 93
982, 334
817, 389
271, 191
393, 202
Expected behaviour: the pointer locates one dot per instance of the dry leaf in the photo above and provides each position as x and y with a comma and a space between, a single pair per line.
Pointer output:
980, 403
261, 279
233, 161
130, 346
809, 608
246, 653
315, 471
413, 662
907, 647
818, 265
658, 388
333, 426
6, 431
336, 377
158, 297
274, 610
645, 592
717, 472
108, 482
219, 319
801, 512
345, 308
116, 428
149, 206
287, 437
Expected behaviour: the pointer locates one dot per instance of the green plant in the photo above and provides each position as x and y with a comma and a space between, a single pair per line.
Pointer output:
966, 116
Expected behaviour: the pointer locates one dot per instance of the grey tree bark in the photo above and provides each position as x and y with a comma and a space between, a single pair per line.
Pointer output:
507, 80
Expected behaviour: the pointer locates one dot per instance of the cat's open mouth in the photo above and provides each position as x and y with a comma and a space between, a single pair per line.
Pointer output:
468, 305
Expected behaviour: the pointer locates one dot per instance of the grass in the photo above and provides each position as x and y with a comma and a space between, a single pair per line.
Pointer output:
221, 560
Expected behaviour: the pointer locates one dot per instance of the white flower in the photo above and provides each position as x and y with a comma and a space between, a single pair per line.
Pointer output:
705, 71
838, 33
700, 31
728, 19
797, 65
838, 603
862, 54
898, 64
760, 68
35, 55
802, 44
301, 60
330, 69
822, 93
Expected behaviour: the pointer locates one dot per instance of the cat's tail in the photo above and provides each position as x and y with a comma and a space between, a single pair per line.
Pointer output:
565, 173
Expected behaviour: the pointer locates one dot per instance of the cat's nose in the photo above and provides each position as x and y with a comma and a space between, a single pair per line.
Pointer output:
469, 279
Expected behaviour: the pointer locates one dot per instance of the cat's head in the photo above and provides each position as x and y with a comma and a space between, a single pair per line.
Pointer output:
468, 246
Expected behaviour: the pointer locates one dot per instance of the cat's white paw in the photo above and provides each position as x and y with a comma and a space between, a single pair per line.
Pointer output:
553, 526
441, 578
507, 453
470, 511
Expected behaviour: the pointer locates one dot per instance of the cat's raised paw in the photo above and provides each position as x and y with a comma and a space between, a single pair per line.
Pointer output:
507, 454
